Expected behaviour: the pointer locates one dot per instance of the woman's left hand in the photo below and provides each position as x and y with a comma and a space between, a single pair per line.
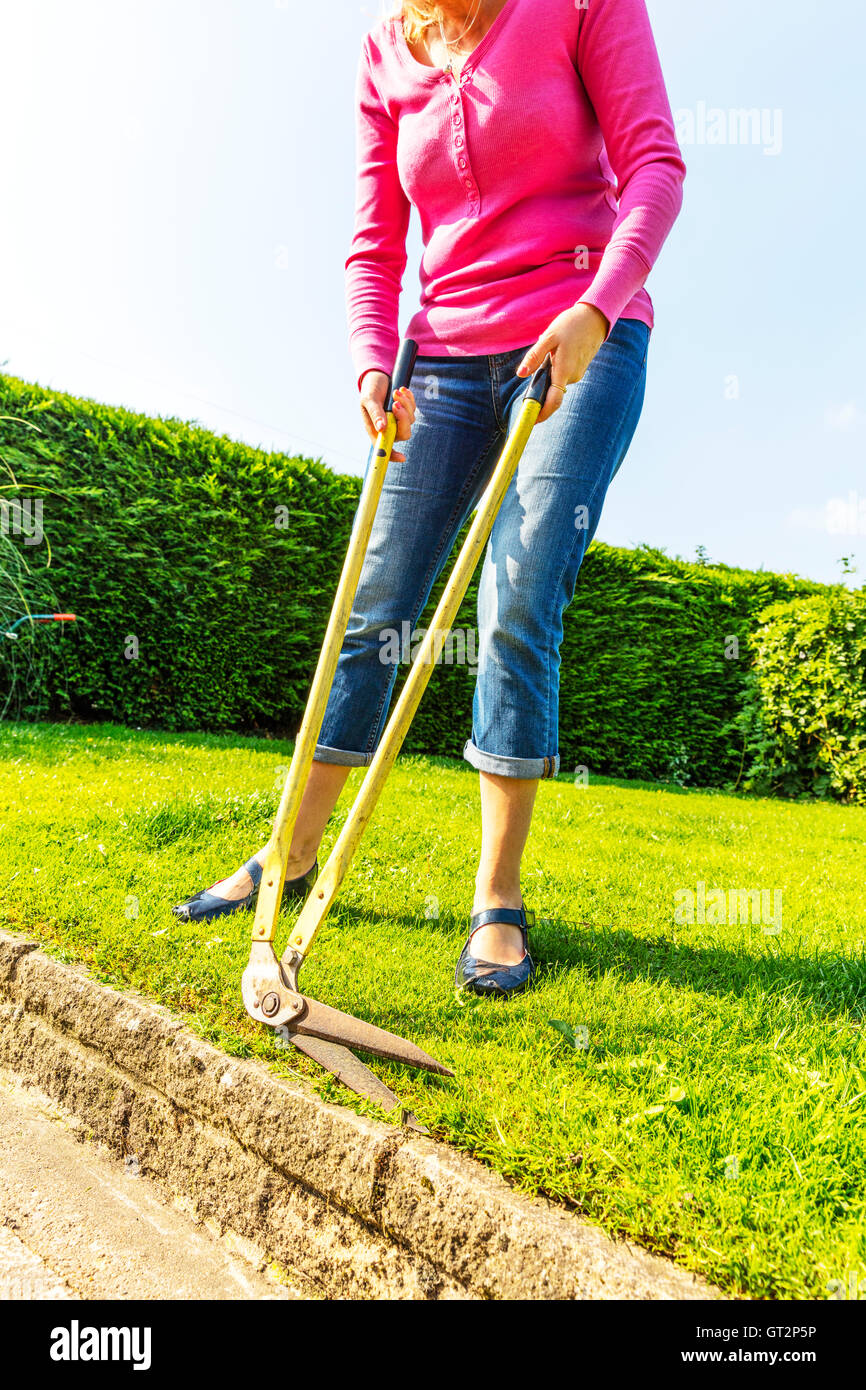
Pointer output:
572, 339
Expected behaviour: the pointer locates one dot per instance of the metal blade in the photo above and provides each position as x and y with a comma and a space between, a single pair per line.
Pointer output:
352, 1072
321, 1021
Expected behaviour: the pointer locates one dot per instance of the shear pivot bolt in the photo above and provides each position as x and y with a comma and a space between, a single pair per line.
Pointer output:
270, 1003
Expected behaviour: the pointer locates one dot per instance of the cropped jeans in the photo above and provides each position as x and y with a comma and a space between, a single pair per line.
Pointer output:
465, 407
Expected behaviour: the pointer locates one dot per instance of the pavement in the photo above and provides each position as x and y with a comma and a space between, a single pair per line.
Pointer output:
78, 1223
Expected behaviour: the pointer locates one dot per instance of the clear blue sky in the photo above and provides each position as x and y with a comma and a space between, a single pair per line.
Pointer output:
177, 204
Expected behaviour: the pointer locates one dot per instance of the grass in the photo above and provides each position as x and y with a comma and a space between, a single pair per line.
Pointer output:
698, 1089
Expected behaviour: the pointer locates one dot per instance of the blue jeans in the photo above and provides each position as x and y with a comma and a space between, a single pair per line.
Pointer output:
466, 406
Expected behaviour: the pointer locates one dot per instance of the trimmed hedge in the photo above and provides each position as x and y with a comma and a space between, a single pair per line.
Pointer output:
163, 540
654, 657
804, 713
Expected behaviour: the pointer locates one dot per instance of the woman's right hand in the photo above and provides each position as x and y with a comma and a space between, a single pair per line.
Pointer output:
374, 393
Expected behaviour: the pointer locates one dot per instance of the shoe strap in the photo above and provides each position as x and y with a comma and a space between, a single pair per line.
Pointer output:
255, 871
511, 916
493, 964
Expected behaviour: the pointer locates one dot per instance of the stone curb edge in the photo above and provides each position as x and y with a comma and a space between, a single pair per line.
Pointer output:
356, 1207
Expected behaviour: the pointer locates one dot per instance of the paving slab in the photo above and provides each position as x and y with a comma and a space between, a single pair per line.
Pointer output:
78, 1222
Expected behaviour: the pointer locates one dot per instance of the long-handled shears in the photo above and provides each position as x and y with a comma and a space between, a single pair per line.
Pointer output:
270, 985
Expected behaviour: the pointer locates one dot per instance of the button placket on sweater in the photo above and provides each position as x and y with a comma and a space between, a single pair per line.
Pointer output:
459, 149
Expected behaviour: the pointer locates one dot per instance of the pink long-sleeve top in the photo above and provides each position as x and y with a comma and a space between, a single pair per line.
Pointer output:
547, 174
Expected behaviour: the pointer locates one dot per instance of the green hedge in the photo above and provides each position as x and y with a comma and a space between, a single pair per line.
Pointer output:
804, 711
165, 533
654, 657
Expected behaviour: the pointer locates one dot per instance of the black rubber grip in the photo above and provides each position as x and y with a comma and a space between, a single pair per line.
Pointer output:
403, 368
539, 383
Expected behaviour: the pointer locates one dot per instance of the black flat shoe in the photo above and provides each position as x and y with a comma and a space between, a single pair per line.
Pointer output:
206, 905
501, 980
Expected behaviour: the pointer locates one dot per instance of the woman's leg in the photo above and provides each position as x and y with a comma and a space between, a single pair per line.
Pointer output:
425, 501
506, 812
321, 794
549, 516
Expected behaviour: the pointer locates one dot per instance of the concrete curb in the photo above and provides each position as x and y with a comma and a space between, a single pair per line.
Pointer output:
357, 1207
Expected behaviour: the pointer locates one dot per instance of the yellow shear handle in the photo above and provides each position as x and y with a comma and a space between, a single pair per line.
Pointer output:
276, 857
327, 885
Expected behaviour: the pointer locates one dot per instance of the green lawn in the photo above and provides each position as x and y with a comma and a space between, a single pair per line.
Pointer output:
705, 1090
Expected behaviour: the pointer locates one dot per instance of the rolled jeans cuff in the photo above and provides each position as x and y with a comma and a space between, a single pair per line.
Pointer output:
323, 754
510, 767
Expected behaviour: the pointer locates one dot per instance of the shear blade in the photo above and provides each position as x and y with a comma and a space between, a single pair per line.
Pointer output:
331, 1025
352, 1072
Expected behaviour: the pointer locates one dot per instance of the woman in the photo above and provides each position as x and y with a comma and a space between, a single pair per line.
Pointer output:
535, 139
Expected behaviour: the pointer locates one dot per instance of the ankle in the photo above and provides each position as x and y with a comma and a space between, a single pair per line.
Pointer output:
301, 858
300, 861
496, 893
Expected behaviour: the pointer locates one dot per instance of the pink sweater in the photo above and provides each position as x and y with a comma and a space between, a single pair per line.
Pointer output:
547, 174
